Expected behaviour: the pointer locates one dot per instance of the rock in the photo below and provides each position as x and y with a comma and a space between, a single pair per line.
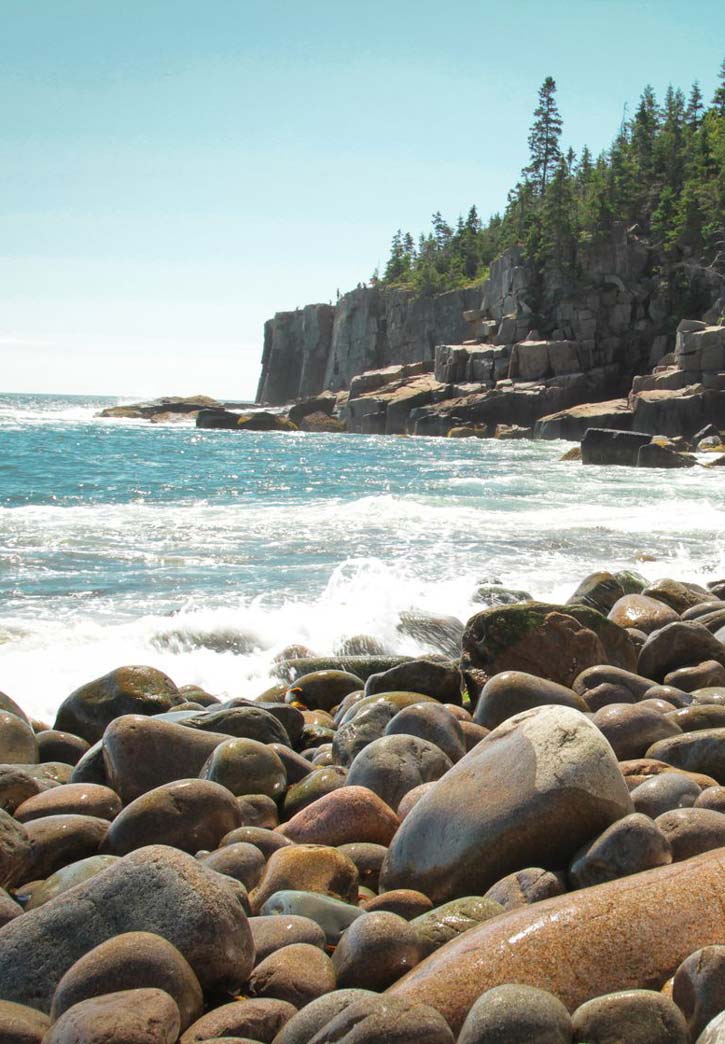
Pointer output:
295, 765
9, 909
127, 690
655, 456
14, 851
632, 729
230, 421
432, 722
189, 814
16, 786
405, 902
272, 933
18, 745
637, 1016
267, 841
437, 927
298, 973
60, 746
368, 858
307, 868
375, 951
643, 613
248, 721
245, 766
703, 675
714, 1032
605, 446
511, 692
594, 677
628, 846
698, 717
128, 962
572, 424
302, 1027
242, 861
661, 793
143, 1016
517, 1015
351, 814
678, 645
698, 988
155, 889
263, 1017
524, 887
393, 765
385, 1020
438, 680
323, 690
56, 841
472, 734
441, 634
79, 798
22, 1025
600, 591
258, 810
678, 596
691, 831
712, 797
68, 877
702, 751
332, 915
550, 641
367, 719
627, 934
536, 789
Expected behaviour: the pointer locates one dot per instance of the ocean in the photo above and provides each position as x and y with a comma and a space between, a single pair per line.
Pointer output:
204, 553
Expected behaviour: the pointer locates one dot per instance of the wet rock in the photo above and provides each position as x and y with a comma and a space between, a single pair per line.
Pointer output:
714, 1032
245, 766
678, 595
643, 613
302, 1027
22, 1025
298, 973
258, 810
127, 690
243, 862
600, 591
14, 851
272, 933
701, 676
350, 814
245, 722
427, 677
267, 841
691, 831
68, 877
702, 751
627, 847
437, 927
9, 909
323, 690
677, 697
664, 792
332, 915
368, 858
190, 814
473, 733
142, 1016
18, 745
626, 934
295, 765
536, 789
517, 1015
431, 722
442, 634
156, 889
512, 692
524, 887
631, 729
385, 1020
60, 746
413, 797
698, 716
56, 841
698, 988
128, 962
319, 783
405, 902
637, 1016
79, 798
307, 868
712, 797
393, 765
247, 1019
375, 951
594, 677
678, 645
16, 786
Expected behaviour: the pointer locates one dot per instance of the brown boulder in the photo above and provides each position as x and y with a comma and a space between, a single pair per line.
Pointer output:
143, 1016
307, 868
643, 613
14, 851
86, 799
298, 973
56, 841
350, 814
22, 1025
127, 690
375, 951
248, 1019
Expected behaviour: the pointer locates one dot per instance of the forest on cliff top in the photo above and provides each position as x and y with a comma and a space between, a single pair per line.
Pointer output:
664, 173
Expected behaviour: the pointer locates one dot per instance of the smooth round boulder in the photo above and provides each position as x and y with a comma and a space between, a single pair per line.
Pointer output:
524, 887
628, 846
332, 915
127, 690
14, 851
702, 675
272, 933
323, 690
604, 674
439, 926
385, 1020
714, 1032
442, 681
190, 814
712, 797
315, 785
18, 745
142, 1016
68, 877
637, 1016
411, 799
258, 810
393, 765
242, 861
537, 788
691, 831
512, 692
86, 799
9, 909
56, 841
661, 793
368, 858
254, 1019
128, 962
702, 751
22, 1025
307, 868
60, 746
404, 902
17, 785
295, 765
298, 974
432, 722
245, 766
349, 814
375, 951
302, 1027
631, 729
641, 612
675, 645
517, 1015
267, 841
698, 988
698, 716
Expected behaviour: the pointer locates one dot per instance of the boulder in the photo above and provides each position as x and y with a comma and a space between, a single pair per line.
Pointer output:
628, 846
127, 690
511, 692
263, 1018
20, 1024
375, 951
298, 973
604, 446
637, 1016
350, 814
655, 456
142, 1016
308, 868
639, 611
679, 644
517, 1015
393, 765
439, 680
245, 766
14, 851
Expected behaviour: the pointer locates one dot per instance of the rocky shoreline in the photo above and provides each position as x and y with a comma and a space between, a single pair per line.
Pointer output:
520, 838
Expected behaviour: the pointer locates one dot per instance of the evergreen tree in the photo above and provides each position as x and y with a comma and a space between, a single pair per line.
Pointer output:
718, 101
544, 138
694, 107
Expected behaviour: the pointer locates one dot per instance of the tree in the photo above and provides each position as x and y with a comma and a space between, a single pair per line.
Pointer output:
694, 107
544, 138
718, 100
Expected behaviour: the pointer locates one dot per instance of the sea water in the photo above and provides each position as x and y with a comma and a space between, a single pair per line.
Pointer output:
204, 553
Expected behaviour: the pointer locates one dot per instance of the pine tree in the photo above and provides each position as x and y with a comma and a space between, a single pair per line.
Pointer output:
544, 138
718, 100
694, 107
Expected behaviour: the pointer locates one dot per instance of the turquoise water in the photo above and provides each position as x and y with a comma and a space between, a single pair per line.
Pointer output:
123, 542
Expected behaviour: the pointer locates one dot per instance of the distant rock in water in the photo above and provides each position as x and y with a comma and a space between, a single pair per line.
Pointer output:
157, 407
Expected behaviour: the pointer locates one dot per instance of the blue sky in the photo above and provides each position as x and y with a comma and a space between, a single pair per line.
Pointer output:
174, 172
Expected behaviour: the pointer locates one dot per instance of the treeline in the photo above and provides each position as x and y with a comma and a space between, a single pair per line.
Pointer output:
665, 172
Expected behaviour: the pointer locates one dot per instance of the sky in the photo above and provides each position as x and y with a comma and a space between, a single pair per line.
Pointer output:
174, 172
